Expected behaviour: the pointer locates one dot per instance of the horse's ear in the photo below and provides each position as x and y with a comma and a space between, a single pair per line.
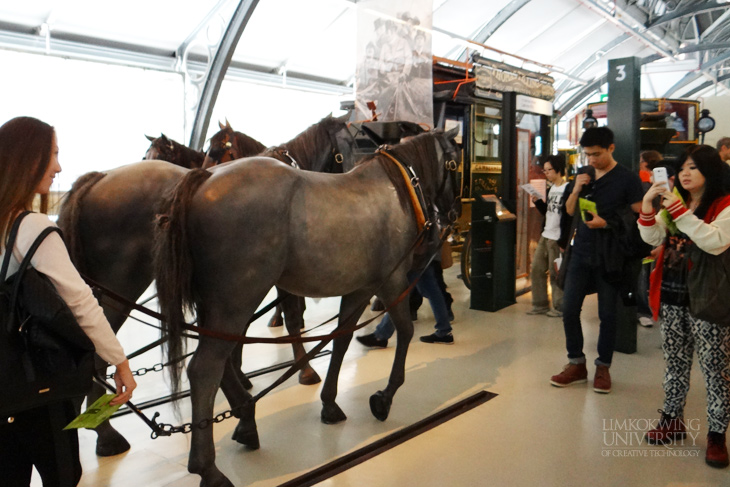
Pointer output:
150, 138
163, 137
221, 124
451, 134
228, 125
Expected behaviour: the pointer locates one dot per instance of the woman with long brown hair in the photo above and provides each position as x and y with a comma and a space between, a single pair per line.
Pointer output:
35, 438
701, 218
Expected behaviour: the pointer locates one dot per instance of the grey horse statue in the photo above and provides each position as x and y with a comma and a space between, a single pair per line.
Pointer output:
229, 236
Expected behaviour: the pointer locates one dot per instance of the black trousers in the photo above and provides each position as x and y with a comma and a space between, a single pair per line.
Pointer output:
36, 438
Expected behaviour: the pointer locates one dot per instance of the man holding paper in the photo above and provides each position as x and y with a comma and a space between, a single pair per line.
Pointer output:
613, 190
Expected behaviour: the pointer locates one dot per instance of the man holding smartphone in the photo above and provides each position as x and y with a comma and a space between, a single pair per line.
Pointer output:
614, 189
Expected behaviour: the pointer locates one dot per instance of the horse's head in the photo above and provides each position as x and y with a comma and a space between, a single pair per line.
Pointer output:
342, 144
433, 157
326, 146
221, 148
228, 145
161, 148
448, 195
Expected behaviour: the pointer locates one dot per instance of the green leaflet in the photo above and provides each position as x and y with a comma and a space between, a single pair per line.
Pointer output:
667, 218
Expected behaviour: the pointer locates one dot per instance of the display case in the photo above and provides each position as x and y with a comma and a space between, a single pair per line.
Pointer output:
486, 165
492, 254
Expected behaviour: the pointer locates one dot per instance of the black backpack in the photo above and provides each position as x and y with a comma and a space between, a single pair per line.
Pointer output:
45, 356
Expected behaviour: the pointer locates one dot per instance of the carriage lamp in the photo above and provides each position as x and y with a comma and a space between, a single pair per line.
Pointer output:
705, 124
590, 121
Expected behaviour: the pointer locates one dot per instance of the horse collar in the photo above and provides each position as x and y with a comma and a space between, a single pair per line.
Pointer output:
414, 189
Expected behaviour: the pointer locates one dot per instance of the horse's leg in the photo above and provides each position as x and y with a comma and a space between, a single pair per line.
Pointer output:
400, 315
277, 319
237, 362
293, 307
109, 441
351, 308
240, 401
205, 371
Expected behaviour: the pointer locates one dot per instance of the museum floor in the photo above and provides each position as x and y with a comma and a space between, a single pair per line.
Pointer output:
530, 434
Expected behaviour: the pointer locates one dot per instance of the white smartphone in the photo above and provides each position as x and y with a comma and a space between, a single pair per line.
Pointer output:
660, 176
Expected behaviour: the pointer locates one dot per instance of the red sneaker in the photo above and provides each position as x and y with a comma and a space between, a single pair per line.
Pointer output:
668, 430
571, 374
716, 455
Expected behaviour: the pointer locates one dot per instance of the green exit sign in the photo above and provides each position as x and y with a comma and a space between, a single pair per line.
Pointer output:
604, 97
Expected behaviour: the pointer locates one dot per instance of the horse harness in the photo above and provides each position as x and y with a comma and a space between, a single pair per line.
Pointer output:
415, 191
284, 153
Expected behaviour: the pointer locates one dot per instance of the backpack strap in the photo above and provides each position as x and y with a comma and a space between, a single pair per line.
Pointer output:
18, 277
10, 244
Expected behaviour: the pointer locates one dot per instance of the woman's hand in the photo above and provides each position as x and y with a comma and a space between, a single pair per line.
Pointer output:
668, 199
657, 189
125, 383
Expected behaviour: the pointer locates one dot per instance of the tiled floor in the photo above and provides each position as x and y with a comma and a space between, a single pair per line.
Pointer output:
530, 434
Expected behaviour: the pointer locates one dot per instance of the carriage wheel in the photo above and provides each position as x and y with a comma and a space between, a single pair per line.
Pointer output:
466, 261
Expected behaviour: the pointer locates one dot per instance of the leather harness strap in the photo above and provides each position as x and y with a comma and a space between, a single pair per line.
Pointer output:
415, 200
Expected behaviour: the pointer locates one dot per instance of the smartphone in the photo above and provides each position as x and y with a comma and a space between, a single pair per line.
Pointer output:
660, 176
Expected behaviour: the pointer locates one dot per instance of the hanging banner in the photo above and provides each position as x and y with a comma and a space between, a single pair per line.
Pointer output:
394, 68
495, 76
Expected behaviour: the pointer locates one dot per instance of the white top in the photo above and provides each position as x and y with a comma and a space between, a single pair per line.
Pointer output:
52, 259
552, 217
713, 238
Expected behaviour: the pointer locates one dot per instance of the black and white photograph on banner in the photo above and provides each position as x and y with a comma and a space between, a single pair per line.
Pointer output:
394, 61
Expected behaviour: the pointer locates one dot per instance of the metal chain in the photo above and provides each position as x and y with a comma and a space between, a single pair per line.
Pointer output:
158, 367
165, 429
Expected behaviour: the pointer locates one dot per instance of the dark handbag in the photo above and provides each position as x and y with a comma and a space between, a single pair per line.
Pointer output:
45, 356
568, 239
709, 286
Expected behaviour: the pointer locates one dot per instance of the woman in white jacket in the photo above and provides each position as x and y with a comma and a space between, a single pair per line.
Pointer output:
701, 218
28, 164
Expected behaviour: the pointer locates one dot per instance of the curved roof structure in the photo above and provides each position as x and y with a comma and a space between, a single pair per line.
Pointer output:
684, 45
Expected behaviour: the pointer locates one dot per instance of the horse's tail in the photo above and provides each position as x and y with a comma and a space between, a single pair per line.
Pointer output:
174, 266
69, 216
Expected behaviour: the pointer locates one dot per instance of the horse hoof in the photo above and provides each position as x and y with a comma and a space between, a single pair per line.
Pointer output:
215, 479
275, 321
380, 405
309, 377
245, 381
377, 305
332, 414
112, 444
248, 438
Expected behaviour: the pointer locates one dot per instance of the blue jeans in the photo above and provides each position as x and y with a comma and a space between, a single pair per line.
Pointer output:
581, 278
429, 289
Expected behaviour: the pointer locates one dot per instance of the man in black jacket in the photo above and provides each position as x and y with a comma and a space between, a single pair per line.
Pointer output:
613, 191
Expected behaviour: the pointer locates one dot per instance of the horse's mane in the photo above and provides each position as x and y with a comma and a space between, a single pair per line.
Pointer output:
248, 146
304, 146
418, 152
195, 157
69, 215
180, 155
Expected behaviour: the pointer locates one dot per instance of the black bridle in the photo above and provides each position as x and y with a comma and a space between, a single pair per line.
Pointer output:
450, 167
